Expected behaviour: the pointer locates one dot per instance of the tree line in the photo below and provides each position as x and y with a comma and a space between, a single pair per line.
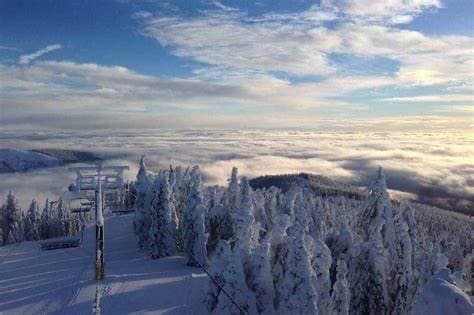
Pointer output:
300, 252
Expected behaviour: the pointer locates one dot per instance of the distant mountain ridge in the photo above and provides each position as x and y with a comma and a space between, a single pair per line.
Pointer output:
15, 160
326, 186
318, 183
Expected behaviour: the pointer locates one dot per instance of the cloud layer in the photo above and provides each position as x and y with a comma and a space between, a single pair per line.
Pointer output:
434, 167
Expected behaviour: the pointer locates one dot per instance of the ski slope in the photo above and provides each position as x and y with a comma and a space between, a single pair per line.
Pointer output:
62, 281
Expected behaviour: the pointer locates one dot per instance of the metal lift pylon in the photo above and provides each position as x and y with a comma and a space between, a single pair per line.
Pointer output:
98, 181
99, 231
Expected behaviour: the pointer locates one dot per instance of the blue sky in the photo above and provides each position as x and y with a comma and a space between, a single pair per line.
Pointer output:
233, 63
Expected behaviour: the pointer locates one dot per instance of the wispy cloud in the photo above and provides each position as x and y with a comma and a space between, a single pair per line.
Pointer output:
433, 98
236, 41
26, 59
274, 64
8, 48
64, 86
302, 44
387, 12
222, 6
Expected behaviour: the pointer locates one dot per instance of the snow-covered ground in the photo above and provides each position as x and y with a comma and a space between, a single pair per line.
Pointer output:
62, 281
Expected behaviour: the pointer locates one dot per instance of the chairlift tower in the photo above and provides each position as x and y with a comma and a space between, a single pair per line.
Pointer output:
99, 179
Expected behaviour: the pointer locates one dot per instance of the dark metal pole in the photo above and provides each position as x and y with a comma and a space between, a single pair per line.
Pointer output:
99, 232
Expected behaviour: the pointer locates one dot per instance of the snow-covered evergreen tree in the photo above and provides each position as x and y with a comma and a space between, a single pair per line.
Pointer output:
142, 219
181, 187
45, 221
243, 221
11, 218
174, 215
161, 234
297, 294
233, 191
279, 254
340, 297
321, 260
32, 222
193, 225
368, 277
216, 215
16, 233
260, 213
433, 261
260, 278
59, 220
223, 204
404, 290
227, 269
319, 253
271, 205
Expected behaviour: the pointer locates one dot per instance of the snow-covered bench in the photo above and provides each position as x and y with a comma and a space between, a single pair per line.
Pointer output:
62, 242
123, 211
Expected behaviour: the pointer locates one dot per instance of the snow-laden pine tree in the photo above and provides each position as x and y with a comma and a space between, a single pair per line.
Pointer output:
32, 222
433, 261
321, 263
319, 253
260, 278
271, 205
45, 224
465, 279
16, 233
142, 219
317, 217
297, 294
368, 276
288, 201
161, 239
216, 217
227, 269
232, 201
340, 240
340, 297
243, 240
407, 214
193, 225
181, 187
11, 218
386, 210
376, 225
68, 226
279, 253
405, 289
59, 220
174, 215
260, 213
221, 214
379, 209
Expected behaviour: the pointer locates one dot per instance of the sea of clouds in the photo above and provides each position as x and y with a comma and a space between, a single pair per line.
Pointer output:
431, 167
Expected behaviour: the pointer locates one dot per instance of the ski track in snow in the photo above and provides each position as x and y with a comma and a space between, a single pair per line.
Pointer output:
62, 281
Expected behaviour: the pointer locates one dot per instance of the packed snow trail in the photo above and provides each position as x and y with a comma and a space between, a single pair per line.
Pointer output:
62, 281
